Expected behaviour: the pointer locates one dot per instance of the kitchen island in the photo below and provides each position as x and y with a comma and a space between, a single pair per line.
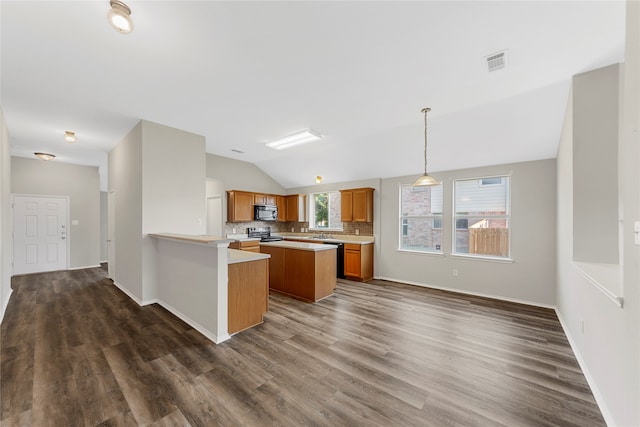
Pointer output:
306, 271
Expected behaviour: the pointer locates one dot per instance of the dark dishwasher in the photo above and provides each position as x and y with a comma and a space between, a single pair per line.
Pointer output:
339, 258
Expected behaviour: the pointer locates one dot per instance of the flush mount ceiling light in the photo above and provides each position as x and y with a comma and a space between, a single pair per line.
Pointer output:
318, 179
119, 17
425, 180
45, 156
69, 136
295, 139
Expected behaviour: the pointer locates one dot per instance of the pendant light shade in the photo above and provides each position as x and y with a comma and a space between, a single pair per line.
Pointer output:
425, 180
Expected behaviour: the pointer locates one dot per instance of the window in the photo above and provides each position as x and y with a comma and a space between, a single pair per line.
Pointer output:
325, 211
421, 218
482, 216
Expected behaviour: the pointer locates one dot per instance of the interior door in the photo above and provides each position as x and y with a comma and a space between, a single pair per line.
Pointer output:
111, 235
214, 215
39, 234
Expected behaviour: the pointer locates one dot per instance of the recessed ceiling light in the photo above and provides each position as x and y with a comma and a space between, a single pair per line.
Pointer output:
296, 139
45, 156
119, 17
70, 137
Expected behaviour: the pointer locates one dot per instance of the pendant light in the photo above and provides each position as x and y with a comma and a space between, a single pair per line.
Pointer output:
69, 136
425, 180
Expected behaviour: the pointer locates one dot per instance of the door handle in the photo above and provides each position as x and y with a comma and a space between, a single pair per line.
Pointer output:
62, 238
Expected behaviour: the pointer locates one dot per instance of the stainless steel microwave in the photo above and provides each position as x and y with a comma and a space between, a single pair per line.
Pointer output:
265, 213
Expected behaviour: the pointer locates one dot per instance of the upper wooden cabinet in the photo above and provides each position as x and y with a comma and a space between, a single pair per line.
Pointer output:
264, 199
356, 205
296, 207
239, 206
281, 203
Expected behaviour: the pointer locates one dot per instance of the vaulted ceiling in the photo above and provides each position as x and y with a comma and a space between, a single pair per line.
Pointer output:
242, 73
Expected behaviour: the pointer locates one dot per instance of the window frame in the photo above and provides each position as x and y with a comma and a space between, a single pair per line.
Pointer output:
312, 211
466, 215
403, 222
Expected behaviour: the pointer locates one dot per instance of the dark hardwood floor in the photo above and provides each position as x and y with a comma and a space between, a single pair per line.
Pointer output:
77, 352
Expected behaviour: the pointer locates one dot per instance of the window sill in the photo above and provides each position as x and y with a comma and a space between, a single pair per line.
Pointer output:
607, 278
415, 251
485, 258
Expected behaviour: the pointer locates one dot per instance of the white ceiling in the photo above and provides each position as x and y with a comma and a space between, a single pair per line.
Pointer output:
241, 73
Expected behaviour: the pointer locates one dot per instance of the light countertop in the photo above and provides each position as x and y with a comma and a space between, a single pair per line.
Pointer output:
338, 238
191, 238
236, 256
299, 245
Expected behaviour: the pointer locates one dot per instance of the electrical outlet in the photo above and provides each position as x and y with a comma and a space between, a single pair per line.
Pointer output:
636, 232
199, 221
357, 232
293, 230
233, 231
455, 272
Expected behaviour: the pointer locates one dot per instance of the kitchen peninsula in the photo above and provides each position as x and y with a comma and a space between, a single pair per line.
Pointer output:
216, 290
306, 271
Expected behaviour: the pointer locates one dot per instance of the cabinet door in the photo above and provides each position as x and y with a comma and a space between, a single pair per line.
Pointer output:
270, 199
239, 206
281, 203
276, 267
292, 208
260, 199
346, 206
363, 205
352, 262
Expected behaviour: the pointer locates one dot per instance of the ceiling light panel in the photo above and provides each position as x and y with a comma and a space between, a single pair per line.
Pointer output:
298, 138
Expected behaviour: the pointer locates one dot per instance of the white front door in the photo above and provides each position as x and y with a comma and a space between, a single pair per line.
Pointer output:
39, 234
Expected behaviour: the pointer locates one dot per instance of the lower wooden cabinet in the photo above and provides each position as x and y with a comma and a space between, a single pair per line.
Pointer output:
248, 294
358, 261
246, 245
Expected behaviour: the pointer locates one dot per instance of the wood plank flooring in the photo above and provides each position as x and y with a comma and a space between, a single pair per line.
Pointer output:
76, 351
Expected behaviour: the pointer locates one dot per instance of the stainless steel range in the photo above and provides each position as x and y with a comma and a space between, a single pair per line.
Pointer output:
264, 233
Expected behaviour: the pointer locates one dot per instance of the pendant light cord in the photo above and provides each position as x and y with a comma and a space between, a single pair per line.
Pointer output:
425, 111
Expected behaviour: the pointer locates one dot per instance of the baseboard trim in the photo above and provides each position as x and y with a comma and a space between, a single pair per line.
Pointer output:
5, 304
128, 293
597, 395
463, 291
82, 268
195, 325
186, 319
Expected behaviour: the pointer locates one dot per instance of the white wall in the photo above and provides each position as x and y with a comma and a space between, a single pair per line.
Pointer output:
125, 181
158, 176
530, 278
82, 185
609, 348
6, 242
239, 175
595, 153
173, 190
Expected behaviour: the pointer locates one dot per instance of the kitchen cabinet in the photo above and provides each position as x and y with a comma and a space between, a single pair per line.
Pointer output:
358, 261
296, 207
281, 203
248, 294
356, 205
246, 245
239, 206
264, 199
302, 270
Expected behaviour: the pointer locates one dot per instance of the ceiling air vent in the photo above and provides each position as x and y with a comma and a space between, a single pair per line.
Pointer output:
496, 61
237, 151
